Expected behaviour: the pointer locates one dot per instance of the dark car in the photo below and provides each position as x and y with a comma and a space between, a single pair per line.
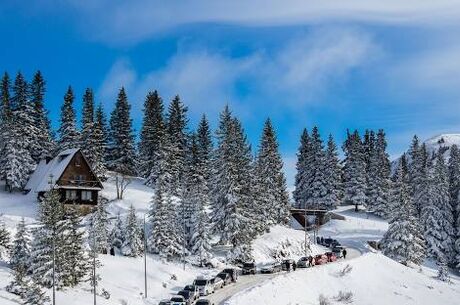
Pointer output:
287, 264
177, 300
320, 259
165, 302
338, 251
334, 243
249, 268
188, 295
194, 290
225, 277
203, 302
271, 267
327, 242
232, 272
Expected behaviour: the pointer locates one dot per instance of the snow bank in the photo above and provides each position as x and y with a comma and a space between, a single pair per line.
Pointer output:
374, 279
283, 240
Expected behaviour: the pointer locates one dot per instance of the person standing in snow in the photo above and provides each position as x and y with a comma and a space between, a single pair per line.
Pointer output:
344, 252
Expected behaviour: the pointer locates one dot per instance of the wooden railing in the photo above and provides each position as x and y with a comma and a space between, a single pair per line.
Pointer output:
78, 183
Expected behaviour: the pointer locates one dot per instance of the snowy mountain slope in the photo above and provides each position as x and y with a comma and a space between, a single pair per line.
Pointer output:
374, 279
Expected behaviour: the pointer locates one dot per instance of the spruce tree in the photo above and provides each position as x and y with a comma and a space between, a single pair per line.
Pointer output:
132, 241
100, 144
43, 146
34, 295
354, 171
4, 240
19, 260
205, 149
68, 134
151, 137
419, 179
301, 183
122, 156
272, 198
5, 99
379, 178
99, 230
404, 240
116, 235
88, 141
437, 214
333, 176
177, 142
316, 191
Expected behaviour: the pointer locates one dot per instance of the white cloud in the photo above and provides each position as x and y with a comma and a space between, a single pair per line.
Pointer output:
298, 72
134, 21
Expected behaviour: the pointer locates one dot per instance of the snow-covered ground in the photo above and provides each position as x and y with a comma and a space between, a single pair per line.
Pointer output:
373, 279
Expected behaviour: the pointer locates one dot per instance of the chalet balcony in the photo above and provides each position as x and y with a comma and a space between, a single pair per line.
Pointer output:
79, 184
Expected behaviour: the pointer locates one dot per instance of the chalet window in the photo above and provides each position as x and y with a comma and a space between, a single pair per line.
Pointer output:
86, 195
77, 162
71, 194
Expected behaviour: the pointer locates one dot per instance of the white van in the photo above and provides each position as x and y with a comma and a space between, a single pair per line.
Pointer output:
204, 286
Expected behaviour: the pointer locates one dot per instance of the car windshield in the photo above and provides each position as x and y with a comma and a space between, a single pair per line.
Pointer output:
304, 258
201, 302
249, 265
222, 275
184, 293
201, 282
189, 287
176, 299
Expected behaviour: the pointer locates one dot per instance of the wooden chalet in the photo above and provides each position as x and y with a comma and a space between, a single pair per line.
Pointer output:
70, 173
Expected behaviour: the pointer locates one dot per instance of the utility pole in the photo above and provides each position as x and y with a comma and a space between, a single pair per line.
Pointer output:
94, 263
305, 229
145, 259
50, 181
183, 238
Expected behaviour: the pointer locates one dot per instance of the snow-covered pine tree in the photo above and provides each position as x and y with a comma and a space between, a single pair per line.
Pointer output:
122, 155
454, 178
271, 194
88, 141
354, 171
34, 295
43, 143
443, 270
316, 181
177, 142
205, 149
100, 143
19, 260
151, 137
419, 179
75, 263
403, 241
333, 175
437, 214
4, 241
132, 235
5, 98
16, 162
51, 233
301, 182
116, 235
99, 229
379, 177
68, 135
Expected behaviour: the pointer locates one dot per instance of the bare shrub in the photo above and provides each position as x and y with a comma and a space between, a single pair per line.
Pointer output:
347, 269
323, 300
345, 297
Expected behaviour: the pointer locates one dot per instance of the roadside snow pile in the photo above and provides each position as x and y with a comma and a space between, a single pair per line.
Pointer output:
373, 279
281, 242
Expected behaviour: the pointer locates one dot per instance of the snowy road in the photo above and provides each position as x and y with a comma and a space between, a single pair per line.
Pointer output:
248, 281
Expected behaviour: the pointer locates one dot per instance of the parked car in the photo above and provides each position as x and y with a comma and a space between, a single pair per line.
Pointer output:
287, 264
177, 300
327, 242
165, 302
320, 259
188, 296
334, 243
271, 267
203, 302
225, 277
338, 251
249, 268
302, 262
217, 282
232, 272
194, 290
331, 257
204, 286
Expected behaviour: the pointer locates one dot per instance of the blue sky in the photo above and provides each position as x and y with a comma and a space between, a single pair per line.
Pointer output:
335, 64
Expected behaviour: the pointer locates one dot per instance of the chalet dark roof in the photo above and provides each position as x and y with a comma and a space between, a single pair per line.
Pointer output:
39, 180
